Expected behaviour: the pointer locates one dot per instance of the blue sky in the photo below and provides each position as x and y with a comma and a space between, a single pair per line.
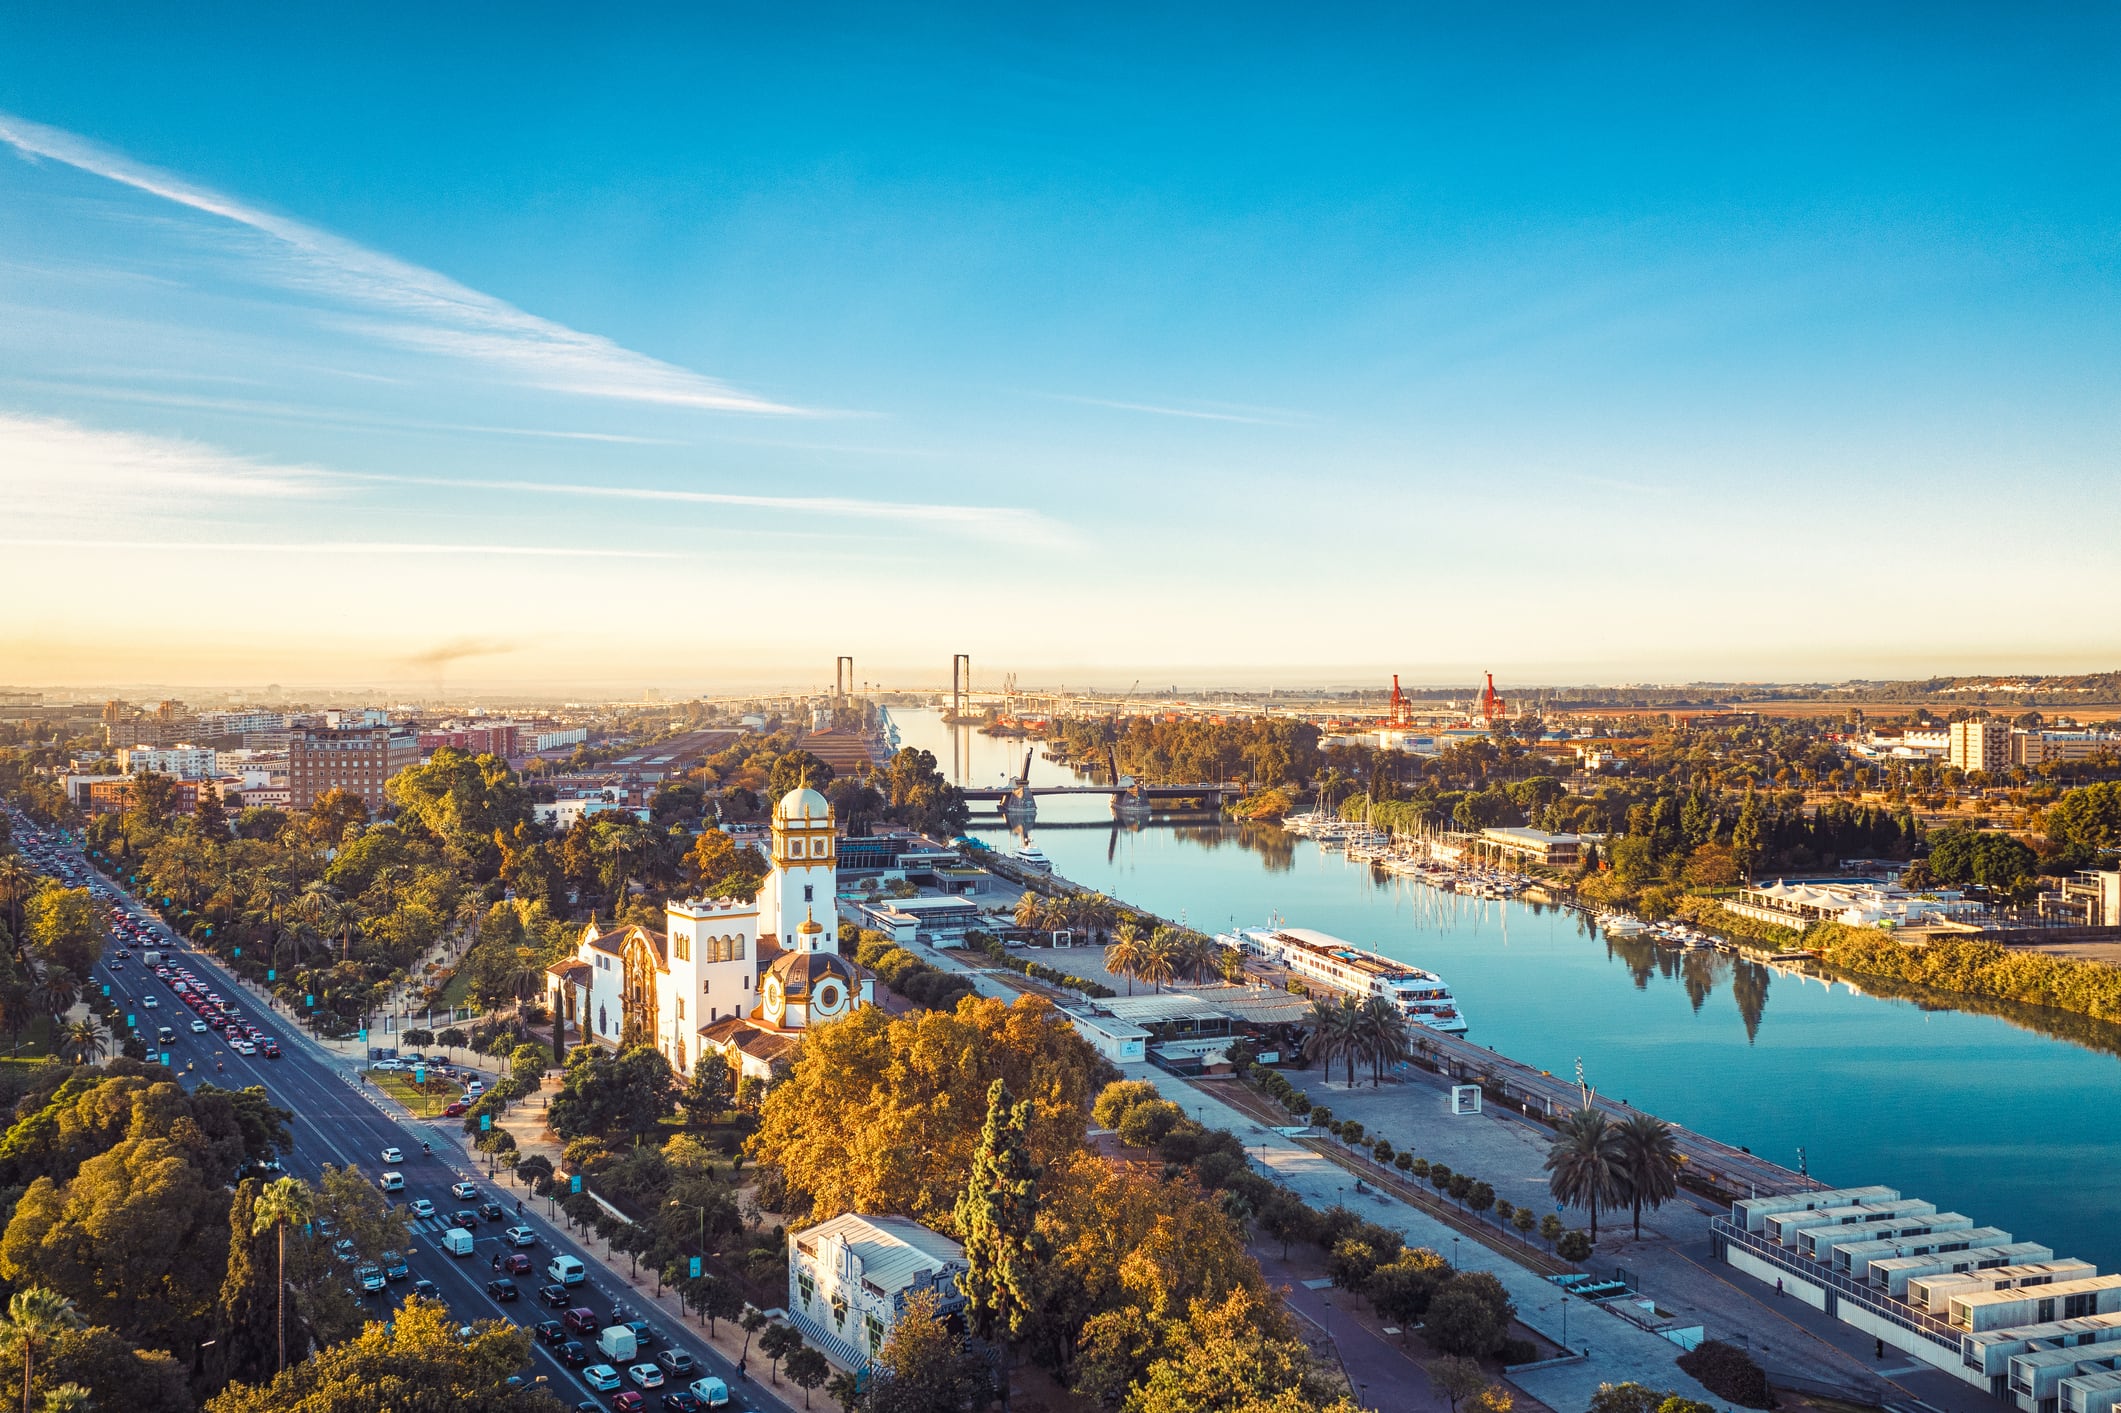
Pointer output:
689, 348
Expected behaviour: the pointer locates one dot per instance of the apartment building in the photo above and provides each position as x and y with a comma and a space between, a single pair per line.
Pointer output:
357, 760
179, 762
1980, 745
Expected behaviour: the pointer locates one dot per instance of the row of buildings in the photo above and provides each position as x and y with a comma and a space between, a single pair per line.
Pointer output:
1990, 745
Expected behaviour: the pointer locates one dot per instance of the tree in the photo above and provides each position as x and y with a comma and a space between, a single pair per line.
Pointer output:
35, 1317
777, 1342
1584, 1164
1522, 1221
1401, 1290
1224, 1358
284, 1202
536, 1170
806, 1369
923, 1366
751, 1322
997, 1220
1457, 1378
1625, 1398
709, 1090
1649, 1163
1469, 1316
1573, 1246
64, 928
87, 1039
417, 1361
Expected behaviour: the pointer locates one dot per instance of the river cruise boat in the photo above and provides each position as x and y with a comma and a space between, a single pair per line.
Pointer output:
1034, 858
1421, 996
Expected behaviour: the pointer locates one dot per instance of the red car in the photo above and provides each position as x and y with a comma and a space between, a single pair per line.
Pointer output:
456, 1109
628, 1402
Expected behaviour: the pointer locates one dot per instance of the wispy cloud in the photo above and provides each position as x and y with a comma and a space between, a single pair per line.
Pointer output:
333, 547
1211, 412
48, 463
410, 305
458, 649
994, 522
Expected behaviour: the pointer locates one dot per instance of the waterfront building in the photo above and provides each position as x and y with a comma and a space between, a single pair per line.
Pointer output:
2007, 1317
2094, 897
744, 976
849, 1280
1537, 846
1857, 903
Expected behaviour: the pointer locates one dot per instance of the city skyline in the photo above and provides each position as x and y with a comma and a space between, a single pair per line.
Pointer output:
1766, 346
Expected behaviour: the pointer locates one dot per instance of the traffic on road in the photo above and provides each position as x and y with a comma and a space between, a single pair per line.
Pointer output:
471, 1249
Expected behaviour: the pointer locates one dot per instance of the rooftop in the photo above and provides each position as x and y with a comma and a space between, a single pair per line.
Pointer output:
894, 1251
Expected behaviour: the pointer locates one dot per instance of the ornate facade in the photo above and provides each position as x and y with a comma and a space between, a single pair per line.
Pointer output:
746, 977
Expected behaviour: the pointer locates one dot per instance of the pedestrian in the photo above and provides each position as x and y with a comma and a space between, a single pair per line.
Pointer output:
1778, 1285
741, 1363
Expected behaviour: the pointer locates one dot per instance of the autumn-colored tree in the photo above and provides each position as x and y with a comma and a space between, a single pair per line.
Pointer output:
417, 1361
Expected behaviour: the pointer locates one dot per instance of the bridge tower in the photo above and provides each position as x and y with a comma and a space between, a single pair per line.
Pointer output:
960, 686
842, 676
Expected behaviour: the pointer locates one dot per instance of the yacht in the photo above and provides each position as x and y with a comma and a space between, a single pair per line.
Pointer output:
1032, 858
1421, 996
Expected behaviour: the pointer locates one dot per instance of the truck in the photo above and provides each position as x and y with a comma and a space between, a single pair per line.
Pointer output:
152, 958
457, 1241
618, 1344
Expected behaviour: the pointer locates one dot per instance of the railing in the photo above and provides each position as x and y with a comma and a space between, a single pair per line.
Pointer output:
1845, 1287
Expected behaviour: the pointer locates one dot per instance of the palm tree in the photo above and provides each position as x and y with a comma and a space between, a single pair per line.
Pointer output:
56, 991
323, 910
1584, 1164
16, 1010
1330, 1033
86, 1039
1030, 911
1649, 1163
1386, 1036
35, 1317
17, 882
283, 1203
1197, 957
1123, 957
1159, 963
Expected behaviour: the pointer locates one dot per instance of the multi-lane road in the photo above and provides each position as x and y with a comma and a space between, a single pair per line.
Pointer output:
340, 1120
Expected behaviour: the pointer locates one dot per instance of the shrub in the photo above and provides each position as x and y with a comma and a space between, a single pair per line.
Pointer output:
1729, 1372
1145, 1125
1517, 1351
1116, 1098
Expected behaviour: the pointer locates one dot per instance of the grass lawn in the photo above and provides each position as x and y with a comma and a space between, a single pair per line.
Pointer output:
457, 994
425, 1103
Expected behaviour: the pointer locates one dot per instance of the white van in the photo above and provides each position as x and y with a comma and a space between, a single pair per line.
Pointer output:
618, 1344
393, 1182
566, 1270
457, 1241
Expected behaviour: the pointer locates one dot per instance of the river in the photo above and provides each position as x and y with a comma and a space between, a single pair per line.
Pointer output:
1991, 1115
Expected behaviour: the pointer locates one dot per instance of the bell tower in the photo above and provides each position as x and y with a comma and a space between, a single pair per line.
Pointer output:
805, 874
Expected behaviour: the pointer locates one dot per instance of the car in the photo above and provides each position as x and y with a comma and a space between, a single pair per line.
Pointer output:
422, 1208
394, 1267
589, 1405
628, 1402
393, 1155
198, 1027
573, 1353
503, 1289
582, 1320
644, 1334
151, 1004
343, 1250
516, 1264
683, 1400
711, 1391
556, 1296
646, 1375
549, 1332
371, 1278
675, 1361
270, 1047
601, 1377
454, 1109
491, 1211
425, 1289
475, 1088
391, 1182
464, 1217
521, 1236
388, 1065
464, 1191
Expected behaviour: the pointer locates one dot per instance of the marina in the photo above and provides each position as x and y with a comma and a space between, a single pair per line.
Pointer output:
1845, 1080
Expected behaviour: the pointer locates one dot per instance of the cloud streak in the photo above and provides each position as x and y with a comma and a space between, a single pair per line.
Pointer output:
1261, 417
996, 522
46, 462
410, 305
333, 547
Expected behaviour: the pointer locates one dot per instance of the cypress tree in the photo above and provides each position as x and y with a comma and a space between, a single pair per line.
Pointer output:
247, 1294
997, 1221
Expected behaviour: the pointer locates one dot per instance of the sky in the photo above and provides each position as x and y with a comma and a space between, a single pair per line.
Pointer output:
688, 347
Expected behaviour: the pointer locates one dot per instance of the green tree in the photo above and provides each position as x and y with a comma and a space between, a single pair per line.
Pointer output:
777, 1341
1469, 1316
35, 1317
1457, 1378
997, 1220
283, 1203
63, 927
416, 1362
806, 1369
923, 1366
709, 1090
1584, 1164
1225, 1358
1401, 1290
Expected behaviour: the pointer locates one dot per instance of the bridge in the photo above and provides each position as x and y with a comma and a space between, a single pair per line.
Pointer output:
1128, 796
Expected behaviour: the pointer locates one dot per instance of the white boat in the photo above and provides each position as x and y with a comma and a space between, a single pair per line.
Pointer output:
1421, 996
1030, 857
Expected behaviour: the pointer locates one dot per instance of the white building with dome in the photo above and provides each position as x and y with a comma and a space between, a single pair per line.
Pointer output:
745, 977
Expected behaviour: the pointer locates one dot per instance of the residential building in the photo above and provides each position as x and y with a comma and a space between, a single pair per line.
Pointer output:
849, 1280
1980, 745
494, 738
358, 760
2041, 747
240, 723
180, 762
565, 814
556, 739
356, 719
743, 976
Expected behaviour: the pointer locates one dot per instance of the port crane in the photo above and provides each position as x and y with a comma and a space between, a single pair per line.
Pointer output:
1492, 707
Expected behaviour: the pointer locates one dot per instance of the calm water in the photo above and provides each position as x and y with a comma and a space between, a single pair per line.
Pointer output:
1981, 1115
